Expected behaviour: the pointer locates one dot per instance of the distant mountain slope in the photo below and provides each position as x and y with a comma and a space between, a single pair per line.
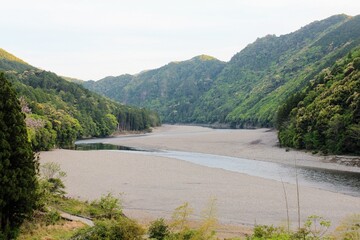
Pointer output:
9, 62
74, 80
326, 114
59, 111
173, 90
249, 89
246, 91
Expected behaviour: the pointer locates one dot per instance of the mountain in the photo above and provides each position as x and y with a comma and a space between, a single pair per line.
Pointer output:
9, 62
173, 90
256, 80
325, 115
247, 90
74, 80
58, 111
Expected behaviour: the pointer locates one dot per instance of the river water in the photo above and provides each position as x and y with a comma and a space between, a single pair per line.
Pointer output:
331, 180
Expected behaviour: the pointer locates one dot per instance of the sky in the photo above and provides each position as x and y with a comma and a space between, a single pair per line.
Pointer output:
92, 39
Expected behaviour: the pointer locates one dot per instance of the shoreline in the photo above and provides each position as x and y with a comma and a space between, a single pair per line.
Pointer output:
152, 187
253, 144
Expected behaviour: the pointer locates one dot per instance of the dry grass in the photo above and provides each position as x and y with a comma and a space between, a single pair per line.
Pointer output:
59, 231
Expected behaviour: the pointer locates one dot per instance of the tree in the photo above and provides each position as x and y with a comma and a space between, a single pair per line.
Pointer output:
110, 205
17, 164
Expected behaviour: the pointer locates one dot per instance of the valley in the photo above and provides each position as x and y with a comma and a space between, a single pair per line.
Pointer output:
269, 134
152, 186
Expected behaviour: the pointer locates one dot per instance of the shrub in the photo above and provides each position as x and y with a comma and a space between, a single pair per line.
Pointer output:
158, 229
109, 205
52, 217
121, 228
269, 232
349, 228
315, 227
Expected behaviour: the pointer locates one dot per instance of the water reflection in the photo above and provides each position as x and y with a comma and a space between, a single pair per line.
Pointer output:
339, 181
101, 146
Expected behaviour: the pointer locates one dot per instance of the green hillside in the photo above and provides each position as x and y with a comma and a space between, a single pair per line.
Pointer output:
74, 80
9, 62
256, 80
173, 90
247, 90
58, 111
326, 114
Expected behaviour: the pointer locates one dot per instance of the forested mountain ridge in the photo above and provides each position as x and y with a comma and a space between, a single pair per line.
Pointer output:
9, 62
284, 65
173, 90
58, 111
247, 90
326, 114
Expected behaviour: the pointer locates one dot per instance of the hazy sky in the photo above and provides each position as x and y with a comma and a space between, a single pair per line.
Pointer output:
91, 39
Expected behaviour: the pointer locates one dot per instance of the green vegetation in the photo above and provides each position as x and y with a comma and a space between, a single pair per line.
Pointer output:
9, 62
17, 164
349, 228
58, 112
51, 192
314, 228
158, 229
326, 114
246, 91
172, 90
305, 83
121, 228
46, 222
111, 224
39, 228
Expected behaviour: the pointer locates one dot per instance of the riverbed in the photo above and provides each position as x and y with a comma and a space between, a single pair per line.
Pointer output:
153, 185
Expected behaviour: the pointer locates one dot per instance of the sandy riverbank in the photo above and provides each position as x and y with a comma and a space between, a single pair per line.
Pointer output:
153, 186
258, 144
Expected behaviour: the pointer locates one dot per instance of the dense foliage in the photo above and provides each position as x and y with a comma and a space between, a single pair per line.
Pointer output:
122, 228
59, 111
246, 91
9, 62
17, 164
172, 90
326, 115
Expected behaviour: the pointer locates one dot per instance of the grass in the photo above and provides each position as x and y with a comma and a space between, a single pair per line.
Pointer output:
76, 207
50, 226
40, 231
108, 206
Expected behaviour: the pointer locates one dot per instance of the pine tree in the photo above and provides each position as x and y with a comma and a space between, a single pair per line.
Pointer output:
17, 164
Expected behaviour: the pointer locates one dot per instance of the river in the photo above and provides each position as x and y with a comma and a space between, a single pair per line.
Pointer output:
332, 180
242, 169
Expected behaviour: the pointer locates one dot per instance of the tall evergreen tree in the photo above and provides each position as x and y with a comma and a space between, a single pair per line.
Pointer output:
17, 164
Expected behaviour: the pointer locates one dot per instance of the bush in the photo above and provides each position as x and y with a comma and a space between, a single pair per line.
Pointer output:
188, 234
121, 228
349, 228
52, 217
109, 205
158, 229
50, 185
269, 232
315, 227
